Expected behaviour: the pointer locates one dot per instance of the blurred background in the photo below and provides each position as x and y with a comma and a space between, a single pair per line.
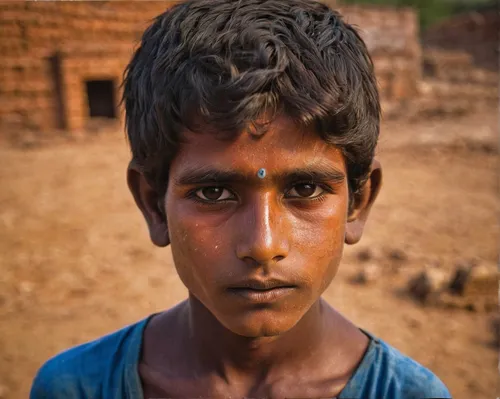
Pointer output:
75, 258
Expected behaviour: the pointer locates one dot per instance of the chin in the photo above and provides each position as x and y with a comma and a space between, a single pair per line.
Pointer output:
262, 323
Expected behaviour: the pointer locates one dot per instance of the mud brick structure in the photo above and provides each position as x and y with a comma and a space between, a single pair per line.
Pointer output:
475, 33
392, 36
460, 64
62, 62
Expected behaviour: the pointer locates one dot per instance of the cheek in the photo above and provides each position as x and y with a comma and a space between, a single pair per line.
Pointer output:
194, 247
323, 228
320, 242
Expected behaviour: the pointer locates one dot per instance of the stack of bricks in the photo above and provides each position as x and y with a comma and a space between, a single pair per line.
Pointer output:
95, 39
451, 76
456, 66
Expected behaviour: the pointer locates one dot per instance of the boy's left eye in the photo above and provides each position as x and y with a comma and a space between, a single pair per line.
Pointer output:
305, 190
213, 194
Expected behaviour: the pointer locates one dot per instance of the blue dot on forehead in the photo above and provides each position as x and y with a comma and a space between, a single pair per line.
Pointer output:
261, 173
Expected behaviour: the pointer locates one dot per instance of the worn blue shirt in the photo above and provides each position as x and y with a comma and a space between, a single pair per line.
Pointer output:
107, 368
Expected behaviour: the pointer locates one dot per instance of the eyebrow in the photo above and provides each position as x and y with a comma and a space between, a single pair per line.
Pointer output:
210, 175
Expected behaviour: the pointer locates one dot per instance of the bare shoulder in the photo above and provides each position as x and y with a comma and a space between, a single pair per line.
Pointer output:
164, 367
163, 338
347, 341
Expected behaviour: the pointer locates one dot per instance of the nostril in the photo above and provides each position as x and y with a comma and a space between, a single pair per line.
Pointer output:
278, 258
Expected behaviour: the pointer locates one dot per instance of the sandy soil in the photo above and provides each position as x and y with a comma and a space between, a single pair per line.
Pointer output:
76, 261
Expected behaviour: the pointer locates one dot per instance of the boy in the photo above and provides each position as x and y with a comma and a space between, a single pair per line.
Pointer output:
253, 126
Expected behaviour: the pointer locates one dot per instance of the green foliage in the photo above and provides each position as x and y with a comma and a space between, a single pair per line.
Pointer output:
431, 11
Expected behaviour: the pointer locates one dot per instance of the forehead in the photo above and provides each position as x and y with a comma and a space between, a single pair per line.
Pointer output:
284, 145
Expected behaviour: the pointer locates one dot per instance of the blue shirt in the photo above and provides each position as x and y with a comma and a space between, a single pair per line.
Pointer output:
107, 368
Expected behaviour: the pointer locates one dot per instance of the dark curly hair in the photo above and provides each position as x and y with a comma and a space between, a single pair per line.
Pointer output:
227, 63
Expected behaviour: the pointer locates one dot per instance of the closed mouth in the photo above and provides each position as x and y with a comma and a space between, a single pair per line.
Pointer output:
261, 285
262, 291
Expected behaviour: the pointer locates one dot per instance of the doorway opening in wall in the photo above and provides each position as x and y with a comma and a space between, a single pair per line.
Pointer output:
101, 98
55, 62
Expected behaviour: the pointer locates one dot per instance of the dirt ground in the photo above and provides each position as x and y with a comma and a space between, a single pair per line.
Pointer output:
76, 261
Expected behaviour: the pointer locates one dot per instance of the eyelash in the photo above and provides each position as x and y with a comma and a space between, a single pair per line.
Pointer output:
319, 198
192, 196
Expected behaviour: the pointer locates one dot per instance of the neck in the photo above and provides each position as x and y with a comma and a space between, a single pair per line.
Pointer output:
218, 348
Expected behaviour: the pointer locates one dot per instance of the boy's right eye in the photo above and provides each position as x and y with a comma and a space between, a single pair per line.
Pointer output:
212, 194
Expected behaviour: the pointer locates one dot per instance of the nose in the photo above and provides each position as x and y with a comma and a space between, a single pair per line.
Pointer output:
263, 234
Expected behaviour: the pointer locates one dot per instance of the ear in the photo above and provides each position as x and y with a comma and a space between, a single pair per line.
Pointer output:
150, 204
363, 203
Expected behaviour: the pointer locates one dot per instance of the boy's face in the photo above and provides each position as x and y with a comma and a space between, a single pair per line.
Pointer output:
257, 251
231, 229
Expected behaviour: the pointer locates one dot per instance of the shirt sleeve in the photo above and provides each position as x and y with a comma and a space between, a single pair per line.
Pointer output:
46, 385
418, 383
57, 379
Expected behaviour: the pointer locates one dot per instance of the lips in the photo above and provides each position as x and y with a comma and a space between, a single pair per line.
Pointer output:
261, 291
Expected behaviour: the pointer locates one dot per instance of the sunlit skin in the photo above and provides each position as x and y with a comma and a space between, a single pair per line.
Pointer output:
230, 229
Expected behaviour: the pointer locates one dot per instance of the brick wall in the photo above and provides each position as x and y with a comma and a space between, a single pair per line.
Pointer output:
94, 40
391, 36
